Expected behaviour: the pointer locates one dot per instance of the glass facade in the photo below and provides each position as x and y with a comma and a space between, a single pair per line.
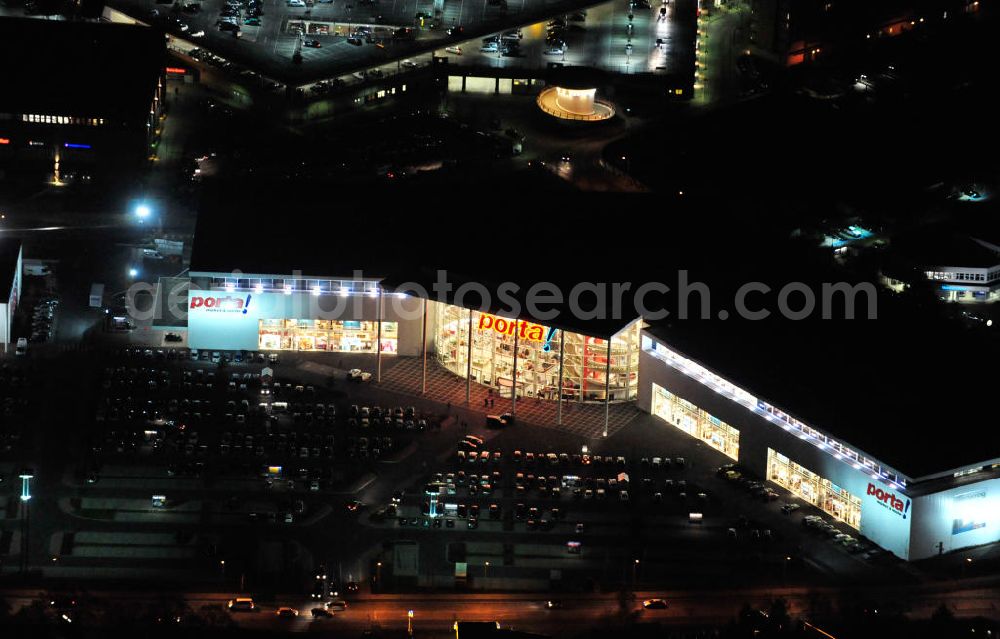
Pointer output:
585, 364
696, 422
816, 490
323, 335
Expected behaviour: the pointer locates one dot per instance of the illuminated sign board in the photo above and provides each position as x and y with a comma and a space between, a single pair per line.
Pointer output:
889, 500
525, 330
969, 511
228, 304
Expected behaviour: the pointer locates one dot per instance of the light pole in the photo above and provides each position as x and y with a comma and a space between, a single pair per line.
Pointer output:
143, 211
486, 570
635, 569
409, 622
26, 476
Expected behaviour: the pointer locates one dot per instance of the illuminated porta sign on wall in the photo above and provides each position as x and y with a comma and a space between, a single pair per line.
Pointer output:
525, 330
889, 500
213, 303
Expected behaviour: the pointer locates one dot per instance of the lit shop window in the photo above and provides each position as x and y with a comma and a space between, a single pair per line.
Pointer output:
326, 335
816, 490
585, 373
694, 421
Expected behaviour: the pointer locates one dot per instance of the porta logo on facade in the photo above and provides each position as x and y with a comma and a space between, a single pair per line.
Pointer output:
226, 304
889, 500
525, 330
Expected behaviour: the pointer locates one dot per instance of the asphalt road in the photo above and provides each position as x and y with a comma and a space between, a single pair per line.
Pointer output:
435, 615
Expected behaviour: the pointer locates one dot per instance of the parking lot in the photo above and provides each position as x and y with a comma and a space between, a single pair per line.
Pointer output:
266, 36
228, 417
370, 466
593, 515
618, 36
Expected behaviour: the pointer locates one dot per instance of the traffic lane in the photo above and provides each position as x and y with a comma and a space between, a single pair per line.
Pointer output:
532, 614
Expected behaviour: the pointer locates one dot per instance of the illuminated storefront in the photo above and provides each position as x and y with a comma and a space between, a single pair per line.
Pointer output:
696, 422
816, 490
541, 349
285, 314
327, 335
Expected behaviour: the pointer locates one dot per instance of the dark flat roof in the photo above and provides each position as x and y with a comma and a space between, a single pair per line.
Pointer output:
943, 245
489, 237
85, 69
911, 388
9, 249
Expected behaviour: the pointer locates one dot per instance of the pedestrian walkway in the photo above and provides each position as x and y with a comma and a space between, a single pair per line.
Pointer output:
403, 375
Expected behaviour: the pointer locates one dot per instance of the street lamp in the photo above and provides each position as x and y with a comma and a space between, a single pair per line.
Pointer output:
409, 622
133, 272
142, 211
26, 477
486, 572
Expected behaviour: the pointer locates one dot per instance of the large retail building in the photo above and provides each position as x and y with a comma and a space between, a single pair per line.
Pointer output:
286, 312
884, 430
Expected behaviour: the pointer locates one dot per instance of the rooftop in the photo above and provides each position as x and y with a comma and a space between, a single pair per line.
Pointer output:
486, 238
83, 69
941, 246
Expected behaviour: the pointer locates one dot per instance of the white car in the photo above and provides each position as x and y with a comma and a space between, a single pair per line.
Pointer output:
296, 3
198, 34
359, 375
409, 64
455, 50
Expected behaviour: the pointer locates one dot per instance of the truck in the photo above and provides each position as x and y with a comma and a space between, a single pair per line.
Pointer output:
96, 295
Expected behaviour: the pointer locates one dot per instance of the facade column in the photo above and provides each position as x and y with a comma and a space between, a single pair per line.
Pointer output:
468, 362
559, 392
513, 375
628, 365
423, 345
607, 389
378, 338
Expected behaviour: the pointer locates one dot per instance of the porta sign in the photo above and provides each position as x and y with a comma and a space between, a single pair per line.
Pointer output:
525, 330
889, 500
228, 304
